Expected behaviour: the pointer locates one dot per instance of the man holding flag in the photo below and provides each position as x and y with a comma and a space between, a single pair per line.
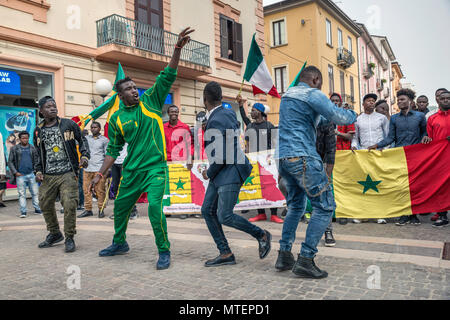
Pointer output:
302, 107
138, 123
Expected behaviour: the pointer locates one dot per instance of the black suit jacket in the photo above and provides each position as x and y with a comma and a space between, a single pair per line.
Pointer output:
228, 163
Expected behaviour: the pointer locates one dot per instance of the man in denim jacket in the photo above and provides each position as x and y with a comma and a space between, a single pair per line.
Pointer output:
302, 108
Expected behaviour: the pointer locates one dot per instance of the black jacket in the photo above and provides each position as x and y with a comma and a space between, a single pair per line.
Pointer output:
14, 160
222, 170
70, 133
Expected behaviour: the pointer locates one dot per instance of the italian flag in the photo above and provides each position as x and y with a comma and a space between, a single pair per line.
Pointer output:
394, 182
257, 72
111, 105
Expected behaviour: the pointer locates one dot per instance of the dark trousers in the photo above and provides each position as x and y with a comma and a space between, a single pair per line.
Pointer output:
217, 210
66, 185
80, 188
273, 211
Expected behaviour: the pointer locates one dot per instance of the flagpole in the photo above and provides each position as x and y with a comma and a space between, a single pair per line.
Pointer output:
242, 86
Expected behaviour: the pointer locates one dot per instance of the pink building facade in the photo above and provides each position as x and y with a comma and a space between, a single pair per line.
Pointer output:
372, 68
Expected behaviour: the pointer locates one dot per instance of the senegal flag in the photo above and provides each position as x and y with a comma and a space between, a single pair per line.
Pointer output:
111, 105
392, 183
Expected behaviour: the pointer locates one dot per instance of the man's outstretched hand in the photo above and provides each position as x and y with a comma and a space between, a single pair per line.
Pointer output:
184, 38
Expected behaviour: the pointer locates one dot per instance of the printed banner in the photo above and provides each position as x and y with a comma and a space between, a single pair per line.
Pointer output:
12, 121
186, 189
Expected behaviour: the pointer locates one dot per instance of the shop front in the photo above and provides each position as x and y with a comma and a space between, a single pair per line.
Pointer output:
20, 91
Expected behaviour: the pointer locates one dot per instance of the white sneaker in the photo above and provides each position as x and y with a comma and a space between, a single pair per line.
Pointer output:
356, 221
23, 215
381, 221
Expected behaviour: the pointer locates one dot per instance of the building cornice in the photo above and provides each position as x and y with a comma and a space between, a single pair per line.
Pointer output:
327, 5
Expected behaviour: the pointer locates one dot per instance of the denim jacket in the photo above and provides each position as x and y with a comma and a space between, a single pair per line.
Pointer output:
302, 109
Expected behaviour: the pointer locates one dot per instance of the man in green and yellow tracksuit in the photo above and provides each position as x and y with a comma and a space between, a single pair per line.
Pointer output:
138, 122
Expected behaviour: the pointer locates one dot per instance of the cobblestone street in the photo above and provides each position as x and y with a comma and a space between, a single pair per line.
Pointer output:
408, 258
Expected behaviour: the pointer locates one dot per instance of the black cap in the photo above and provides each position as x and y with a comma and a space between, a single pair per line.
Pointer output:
370, 95
44, 100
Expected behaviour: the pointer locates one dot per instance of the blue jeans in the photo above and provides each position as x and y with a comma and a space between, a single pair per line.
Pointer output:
22, 183
217, 210
306, 177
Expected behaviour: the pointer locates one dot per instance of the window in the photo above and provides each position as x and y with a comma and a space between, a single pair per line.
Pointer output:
340, 39
279, 32
281, 79
350, 46
231, 40
149, 12
363, 54
342, 84
331, 78
352, 89
329, 35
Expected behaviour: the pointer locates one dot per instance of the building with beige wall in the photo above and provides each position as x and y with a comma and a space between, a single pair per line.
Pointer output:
64, 47
398, 75
317, 32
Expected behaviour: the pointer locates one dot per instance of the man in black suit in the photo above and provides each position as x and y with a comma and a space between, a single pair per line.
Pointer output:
228, 169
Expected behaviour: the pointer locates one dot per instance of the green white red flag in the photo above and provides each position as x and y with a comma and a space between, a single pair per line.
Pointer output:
257, 72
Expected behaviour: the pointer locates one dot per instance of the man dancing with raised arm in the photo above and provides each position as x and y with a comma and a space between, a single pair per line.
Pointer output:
301, 110
138, 123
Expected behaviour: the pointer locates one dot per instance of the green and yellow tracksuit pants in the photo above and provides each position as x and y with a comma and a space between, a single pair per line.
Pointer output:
132, 185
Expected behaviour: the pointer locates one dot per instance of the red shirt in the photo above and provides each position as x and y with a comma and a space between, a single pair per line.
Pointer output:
176, 138
341, 143
438, 125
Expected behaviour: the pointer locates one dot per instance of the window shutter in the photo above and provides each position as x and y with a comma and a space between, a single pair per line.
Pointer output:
223, 38
237, 43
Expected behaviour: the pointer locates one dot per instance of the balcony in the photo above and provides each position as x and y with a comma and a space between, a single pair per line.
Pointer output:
368, 71
380, 85
135, 43
345, 58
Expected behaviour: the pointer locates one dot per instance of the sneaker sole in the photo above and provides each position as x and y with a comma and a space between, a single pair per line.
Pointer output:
115, 254
221, 264
284, 269
308, 276
330, 244
445, 225
51, 245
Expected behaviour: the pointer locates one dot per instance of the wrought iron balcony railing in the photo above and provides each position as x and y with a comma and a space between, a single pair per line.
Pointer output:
116, 29
345, 58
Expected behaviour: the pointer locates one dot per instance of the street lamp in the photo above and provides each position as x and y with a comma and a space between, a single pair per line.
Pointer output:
103, 87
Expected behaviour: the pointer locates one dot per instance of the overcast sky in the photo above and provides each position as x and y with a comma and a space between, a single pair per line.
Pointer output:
418, 32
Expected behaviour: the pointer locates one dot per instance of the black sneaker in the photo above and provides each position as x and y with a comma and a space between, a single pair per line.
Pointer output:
306, 268
80, 208
441, 223
285, 261
70, 245
284, 213
415, 220
183, 216
329, 239
101, 214
111, 217
134, 214
86, 213
343, 221
403, 221
51, 239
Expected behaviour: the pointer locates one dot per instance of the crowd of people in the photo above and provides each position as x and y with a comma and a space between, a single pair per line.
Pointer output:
76, 168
